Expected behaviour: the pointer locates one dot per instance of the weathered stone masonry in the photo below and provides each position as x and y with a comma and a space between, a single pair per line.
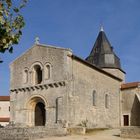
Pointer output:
51, 86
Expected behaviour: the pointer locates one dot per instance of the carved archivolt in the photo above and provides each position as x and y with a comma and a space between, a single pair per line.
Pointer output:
33, 100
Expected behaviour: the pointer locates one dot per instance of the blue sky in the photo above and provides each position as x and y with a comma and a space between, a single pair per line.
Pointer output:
75, 24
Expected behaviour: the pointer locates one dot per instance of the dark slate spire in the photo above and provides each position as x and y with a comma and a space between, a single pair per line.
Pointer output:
102, 54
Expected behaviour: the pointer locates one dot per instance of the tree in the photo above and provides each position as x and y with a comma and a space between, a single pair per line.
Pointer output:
11, 24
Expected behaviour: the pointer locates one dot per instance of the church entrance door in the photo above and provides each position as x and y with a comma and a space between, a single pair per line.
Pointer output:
126, 120
40, 114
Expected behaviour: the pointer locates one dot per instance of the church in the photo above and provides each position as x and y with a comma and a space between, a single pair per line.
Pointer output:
51, 86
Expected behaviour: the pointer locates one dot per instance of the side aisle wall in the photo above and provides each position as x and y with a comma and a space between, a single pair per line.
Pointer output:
96, 97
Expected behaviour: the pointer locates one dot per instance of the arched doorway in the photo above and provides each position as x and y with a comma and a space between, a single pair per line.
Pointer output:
36, 112
40, 114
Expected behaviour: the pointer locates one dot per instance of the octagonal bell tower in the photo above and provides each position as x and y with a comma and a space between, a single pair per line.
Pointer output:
103, 56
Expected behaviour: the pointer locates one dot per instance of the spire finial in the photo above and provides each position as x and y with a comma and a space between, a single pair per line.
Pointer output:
37, 40
101, 28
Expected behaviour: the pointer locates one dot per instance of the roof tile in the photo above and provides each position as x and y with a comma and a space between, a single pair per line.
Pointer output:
4, 98
130, 85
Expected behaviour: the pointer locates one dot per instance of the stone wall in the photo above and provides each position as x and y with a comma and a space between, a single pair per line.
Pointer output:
72, 83
15, 133
23, 103
39, 54
130, 132
86, 80
117, 73
24, 96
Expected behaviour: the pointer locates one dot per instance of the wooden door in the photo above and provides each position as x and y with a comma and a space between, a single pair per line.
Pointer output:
40, 114
126, 120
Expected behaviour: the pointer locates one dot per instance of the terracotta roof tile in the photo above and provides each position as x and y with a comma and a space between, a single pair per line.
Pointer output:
4, 98
6, 119
130, 85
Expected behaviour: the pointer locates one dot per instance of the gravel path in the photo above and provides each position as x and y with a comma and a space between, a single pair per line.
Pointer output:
112, 134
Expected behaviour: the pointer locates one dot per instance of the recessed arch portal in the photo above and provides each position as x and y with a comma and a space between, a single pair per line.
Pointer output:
37, 111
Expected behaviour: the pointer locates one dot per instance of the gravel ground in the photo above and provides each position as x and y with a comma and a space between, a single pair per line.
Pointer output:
113, 134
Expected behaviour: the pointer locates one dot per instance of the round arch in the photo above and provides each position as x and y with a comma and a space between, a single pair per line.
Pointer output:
36, 71
36, 106
35, 98
36, 63
47, 71
25, 76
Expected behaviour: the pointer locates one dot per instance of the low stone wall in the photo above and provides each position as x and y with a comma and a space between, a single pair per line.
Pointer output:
14, 133
130, 132
76, 130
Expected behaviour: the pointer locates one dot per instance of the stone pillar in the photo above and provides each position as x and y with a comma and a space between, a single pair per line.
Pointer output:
30, 117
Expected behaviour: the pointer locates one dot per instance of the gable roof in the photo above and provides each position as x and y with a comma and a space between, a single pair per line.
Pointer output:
40, 46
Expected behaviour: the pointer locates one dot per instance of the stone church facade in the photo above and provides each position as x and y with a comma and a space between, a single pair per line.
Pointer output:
52, 86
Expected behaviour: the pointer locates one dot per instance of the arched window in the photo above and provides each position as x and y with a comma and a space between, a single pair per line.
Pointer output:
94, 98
47, 71
37, 74
25, 76
106, 101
